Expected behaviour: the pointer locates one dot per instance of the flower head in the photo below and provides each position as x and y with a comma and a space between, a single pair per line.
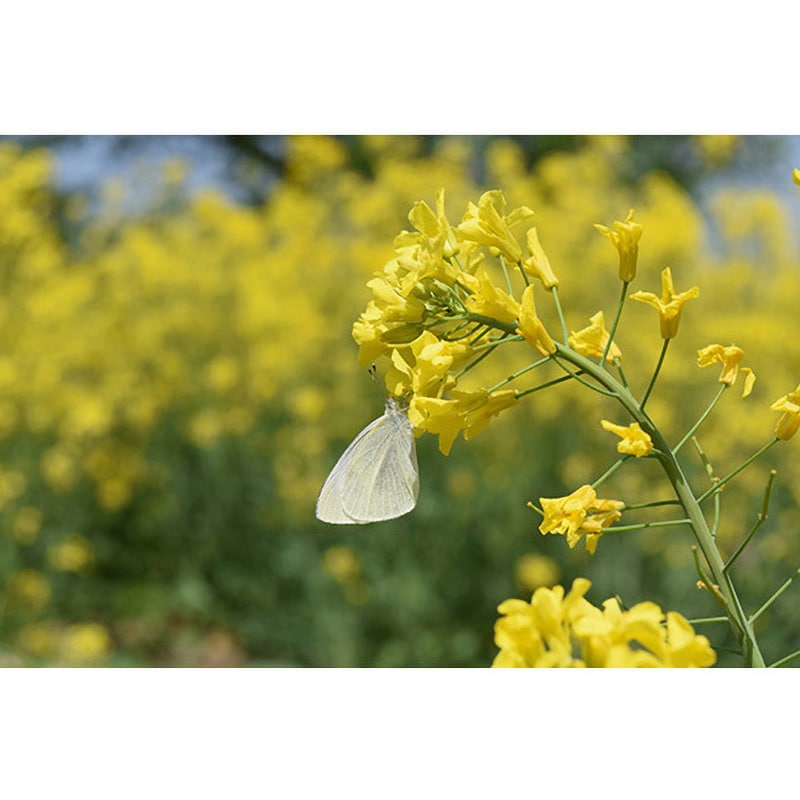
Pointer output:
579, 514
469, 412
531, 327
434, 225
537, 265
558, 630
789, 421
796, 176
424, 367
592, 340
625, 237
635, 441
669, 305
729, 357
488, 224
487, 299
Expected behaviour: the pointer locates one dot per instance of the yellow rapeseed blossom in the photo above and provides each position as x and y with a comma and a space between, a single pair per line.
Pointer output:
625, 237
537, 265
531, 327
592, 340
634, 441
789, 420
729, 357
488, 299
434, 225
796, 176
558, 630
580, 514
488, 224
469, 412
669, 305
423, 368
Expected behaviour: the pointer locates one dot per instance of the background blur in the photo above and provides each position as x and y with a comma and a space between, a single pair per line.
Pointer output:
177, 377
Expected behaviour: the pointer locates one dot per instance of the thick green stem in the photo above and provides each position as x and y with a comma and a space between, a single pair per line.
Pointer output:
733, 607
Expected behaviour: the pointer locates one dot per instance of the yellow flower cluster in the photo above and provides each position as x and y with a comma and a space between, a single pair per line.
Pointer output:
565, 630
436, 306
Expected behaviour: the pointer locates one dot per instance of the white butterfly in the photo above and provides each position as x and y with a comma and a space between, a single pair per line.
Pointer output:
377, 477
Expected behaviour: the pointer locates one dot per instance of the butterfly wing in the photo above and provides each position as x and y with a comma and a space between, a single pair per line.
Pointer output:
377, 476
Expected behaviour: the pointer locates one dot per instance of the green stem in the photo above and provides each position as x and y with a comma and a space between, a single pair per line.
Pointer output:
710, 472
580, 380
663, 523
775, 596
610, 471
505, 272
762, 518
703, 620
672, 468
720, 484
518, 373
543, 386
653, 504
504, 339
554, 292
655, 372
616, 322
702, 419
783, 660
622, 377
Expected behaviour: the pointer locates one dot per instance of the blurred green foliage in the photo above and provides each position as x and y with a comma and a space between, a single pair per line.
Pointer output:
175, 383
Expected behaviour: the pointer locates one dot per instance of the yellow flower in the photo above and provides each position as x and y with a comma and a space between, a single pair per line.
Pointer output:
488, 299
531, 327
789, 422
729, 357
669, 305
592, 340
625, 237
579, 514
469, 412
423, 368
555, 630
796, 176
434, 225
537, 265
635, 441
607, 638
488, 224
538, 634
